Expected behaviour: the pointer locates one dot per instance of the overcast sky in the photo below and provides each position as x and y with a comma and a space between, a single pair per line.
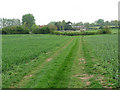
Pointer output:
45, 11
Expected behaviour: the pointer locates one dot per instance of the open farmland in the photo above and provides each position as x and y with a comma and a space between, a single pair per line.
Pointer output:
51, 61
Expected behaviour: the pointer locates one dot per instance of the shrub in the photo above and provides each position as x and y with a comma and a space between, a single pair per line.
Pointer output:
101, 27
45, 30
52, 28
105, 30
37, 30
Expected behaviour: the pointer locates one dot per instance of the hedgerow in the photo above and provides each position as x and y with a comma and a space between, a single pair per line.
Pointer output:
73, 33
15, 30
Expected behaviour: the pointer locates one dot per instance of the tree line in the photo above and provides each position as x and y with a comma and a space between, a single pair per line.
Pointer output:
28, 25
9, 22
99, 24
62, 25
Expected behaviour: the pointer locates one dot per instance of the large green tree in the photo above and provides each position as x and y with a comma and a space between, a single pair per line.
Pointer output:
100, 22
28, 20
58, 25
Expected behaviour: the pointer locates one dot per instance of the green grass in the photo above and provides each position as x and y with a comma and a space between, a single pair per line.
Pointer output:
51, 61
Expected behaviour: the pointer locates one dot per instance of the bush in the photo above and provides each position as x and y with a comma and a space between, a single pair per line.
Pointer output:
35, 29
52, 28
15, 30
105, 30
101, 27
43, 30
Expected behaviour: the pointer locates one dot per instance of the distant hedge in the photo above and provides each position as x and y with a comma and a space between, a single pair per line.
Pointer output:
35, 29
105, 30
73, 33
48, 29
43, 30
15, 30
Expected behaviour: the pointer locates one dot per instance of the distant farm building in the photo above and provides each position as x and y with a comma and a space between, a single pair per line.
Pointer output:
79, 27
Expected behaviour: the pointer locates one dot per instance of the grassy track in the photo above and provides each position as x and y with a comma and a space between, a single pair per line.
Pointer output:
50, 61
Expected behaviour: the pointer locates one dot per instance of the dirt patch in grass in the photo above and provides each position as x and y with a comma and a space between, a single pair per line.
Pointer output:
102, 80
28, 76
49, 59
88, 83
82, 60
86, 77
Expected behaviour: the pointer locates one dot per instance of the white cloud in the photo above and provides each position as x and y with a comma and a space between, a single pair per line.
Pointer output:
45, 11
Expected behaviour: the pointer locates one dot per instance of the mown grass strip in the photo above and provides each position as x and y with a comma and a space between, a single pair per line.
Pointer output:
77, 69
61, 79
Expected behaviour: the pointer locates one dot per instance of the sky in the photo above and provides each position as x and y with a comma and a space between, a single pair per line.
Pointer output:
46, 11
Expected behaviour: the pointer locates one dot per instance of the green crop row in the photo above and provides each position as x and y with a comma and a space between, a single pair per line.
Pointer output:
20, 49
105, 49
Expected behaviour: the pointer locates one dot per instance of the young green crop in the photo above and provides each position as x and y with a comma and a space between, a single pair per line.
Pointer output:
22, 52
51, 61
105, 50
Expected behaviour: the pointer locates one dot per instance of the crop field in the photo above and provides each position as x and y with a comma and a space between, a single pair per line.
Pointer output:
56, 61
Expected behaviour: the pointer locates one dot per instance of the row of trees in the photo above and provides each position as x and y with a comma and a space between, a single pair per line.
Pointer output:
9, 22
62, 25
27, 26
14, 26
27, 20
99, 23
